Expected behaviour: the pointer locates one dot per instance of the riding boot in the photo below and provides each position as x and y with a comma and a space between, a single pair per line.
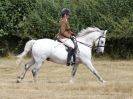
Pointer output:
74, 59
74, 50
69, 56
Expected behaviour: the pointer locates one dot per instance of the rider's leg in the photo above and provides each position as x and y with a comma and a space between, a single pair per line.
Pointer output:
69, 55
71, 49
75, 49
74, 58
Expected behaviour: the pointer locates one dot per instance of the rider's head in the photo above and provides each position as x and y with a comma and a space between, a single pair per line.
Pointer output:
65, 12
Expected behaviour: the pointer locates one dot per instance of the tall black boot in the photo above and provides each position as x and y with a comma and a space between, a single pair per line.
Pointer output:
74, 59
74, 50
69, 56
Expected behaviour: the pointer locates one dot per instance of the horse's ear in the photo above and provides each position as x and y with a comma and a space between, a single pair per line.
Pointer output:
105, 32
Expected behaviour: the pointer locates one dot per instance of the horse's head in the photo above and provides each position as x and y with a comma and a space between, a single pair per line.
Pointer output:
100, 42
93, 35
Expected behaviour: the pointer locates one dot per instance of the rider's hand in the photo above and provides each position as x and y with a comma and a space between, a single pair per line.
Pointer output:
73, 34
72, 37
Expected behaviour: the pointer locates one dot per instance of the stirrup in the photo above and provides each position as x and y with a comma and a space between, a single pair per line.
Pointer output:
73, 63
68, 64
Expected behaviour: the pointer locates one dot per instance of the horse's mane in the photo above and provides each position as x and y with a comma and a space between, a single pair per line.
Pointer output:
88, 30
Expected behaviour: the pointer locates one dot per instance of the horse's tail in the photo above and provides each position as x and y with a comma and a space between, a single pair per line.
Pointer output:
27, 48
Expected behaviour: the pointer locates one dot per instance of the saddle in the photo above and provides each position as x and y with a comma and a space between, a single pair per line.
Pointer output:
71, 59
67, 47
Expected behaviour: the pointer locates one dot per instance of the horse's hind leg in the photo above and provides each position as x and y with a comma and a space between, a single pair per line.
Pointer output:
38, 65
27, 66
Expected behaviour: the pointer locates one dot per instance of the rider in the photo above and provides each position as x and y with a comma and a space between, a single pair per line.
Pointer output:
66, 36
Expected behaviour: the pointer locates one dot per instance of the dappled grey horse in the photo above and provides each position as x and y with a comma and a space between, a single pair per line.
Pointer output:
55, 51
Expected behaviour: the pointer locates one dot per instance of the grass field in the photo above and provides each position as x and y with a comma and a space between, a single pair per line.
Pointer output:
53, 81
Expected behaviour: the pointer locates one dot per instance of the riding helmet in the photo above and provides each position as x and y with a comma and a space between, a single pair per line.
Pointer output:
65, 11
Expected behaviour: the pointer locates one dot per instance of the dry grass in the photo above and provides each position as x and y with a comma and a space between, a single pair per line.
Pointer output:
53, 81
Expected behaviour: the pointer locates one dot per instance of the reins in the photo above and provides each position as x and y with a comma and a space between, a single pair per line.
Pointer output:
94, 41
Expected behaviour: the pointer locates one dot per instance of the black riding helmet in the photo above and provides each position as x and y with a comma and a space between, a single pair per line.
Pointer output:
65, 11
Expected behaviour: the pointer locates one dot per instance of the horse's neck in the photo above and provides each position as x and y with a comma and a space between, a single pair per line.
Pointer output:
89, 38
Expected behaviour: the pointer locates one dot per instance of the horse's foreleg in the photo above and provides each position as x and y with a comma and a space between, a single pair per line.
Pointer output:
27, 66
93, 70
74, 70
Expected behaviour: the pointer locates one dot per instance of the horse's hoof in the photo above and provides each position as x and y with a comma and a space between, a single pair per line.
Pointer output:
18, 81
71, 82
103, 81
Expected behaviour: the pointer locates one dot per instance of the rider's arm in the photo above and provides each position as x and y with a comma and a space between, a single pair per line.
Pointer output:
63, 29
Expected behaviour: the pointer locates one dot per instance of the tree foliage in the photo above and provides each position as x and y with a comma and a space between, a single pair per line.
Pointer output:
39, 19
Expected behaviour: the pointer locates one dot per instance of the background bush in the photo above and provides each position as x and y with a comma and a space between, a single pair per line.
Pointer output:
21, 20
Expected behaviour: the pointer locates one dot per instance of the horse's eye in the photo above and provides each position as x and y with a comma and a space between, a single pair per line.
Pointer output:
102, 42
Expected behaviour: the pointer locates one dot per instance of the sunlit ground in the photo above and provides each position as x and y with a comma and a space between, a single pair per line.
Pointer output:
53, 81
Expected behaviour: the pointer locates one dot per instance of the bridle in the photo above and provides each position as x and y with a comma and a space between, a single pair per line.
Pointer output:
94, 41
99, 41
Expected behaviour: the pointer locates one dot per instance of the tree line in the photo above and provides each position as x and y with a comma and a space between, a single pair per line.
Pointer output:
21, 20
